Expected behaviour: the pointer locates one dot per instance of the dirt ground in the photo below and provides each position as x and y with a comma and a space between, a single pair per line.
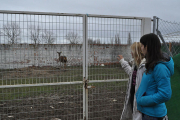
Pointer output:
34, 71
103, 105
105, 102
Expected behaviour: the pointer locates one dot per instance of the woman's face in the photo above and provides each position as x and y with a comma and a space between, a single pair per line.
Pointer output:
143, 49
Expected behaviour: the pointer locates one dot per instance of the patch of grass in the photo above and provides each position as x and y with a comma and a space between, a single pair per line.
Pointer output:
173, 105
53, 75
7, 94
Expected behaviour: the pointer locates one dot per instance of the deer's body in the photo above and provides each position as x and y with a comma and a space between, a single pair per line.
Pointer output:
62, 59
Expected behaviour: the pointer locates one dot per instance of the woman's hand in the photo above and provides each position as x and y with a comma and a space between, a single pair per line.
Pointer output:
120, 57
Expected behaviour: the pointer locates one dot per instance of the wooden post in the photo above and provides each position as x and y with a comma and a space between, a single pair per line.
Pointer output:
170, 45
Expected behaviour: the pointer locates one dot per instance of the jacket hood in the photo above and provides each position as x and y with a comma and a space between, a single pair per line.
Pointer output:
169, 64
143, 62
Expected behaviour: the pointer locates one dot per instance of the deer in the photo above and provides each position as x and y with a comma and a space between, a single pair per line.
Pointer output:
62, 59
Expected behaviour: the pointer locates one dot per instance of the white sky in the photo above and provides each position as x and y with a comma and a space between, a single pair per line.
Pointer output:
164, 9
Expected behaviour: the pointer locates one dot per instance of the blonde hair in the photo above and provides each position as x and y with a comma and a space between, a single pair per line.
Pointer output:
137, 54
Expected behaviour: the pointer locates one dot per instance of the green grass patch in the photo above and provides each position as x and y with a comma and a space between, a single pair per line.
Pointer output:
53, 75
173, 105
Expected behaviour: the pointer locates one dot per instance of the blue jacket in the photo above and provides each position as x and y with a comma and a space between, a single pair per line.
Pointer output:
155, 90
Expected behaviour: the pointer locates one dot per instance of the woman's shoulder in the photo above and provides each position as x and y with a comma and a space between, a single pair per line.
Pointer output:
161, 70
159, 66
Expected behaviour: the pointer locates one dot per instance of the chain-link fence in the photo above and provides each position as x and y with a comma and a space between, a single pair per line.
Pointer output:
169, 32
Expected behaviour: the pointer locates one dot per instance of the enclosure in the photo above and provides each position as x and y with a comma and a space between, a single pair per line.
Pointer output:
84, 82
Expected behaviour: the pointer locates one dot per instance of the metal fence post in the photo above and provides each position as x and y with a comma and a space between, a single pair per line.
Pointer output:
85, 68
154, 24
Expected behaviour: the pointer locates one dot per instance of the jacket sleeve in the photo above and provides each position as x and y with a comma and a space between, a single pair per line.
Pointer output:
125, 65
161, 75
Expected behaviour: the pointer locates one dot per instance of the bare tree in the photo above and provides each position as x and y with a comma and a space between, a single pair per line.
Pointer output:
73, 38
90, 41
35, 34
129, 41
112, 40
12, 31
117, 39
98, 41
48, 37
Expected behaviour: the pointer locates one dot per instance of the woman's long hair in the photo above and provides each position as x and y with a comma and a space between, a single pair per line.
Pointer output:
154, 54
137, 54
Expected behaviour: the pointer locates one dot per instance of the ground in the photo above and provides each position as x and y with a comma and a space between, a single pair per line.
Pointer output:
64, 102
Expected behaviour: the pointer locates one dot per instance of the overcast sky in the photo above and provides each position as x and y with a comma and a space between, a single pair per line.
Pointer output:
164, 9
167, 10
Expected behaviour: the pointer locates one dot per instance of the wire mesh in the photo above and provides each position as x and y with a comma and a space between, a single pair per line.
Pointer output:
109, 37
106, 100
171, 34
42, 103
36, 45
29, 46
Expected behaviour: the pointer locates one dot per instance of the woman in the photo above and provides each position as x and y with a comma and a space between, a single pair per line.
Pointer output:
155, 87
135, 74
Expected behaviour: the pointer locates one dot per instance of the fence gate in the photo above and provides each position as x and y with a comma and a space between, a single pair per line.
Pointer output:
56, 66
41, 71
105, 80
